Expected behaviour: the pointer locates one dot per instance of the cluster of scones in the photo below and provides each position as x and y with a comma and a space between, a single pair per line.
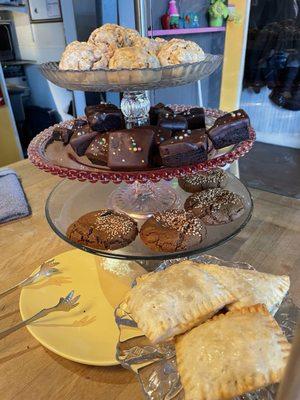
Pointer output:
169, 231
219, 320
116, 47
172, 139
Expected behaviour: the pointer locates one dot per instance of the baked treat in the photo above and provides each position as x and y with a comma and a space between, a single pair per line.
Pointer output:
250, 287
231, 354
130, 149
152, 46
112, 35
179, 51
81, 139
78, 123
104, 117
84, 56
132, 37
97, 152
195, 117
157, 110
172, 230
160, 134
133, 57
202, 131
103, 229
215, 206
174, 122
62, 134
169, 302
184, 149
229, 129
215, 178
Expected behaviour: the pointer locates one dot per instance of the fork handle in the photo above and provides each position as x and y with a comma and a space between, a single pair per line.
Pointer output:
14, 328
23, 283
10, 290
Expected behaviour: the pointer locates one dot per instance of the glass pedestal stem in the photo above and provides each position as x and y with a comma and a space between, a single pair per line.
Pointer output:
135, 106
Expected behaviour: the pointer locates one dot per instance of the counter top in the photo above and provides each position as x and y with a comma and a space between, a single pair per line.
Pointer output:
270, 242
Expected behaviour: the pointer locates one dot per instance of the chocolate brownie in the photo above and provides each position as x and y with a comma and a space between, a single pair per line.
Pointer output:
97, 152
103, 229
184, 149
62, 134
195, 117
203, 180
173, 122
78, 123
81, 139
130, 149
172, 230
105, 117
230, 129
215, 206
156, 111
160, 134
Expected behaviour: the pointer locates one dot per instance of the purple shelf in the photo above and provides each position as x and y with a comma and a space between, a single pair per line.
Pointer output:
188, 31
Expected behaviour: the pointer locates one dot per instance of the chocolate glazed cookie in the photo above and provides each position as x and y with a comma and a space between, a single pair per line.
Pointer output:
215, 206
172, 231
103, 229
203, 180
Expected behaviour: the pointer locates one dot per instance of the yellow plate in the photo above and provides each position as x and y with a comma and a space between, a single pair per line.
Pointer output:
88, 333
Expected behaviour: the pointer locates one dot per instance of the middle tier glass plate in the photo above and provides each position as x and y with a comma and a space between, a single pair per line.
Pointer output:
69, 200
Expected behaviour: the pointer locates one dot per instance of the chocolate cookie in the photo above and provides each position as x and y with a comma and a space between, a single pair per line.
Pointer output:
103, 229
215, 206
215, 178
172, 231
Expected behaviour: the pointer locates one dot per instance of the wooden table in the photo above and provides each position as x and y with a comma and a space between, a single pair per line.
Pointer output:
270, 242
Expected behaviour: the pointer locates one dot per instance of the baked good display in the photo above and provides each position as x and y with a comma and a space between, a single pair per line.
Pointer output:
133, 57
130, 149
215, 206
184, 149
179, 51
103, 229
169, 302
215, 178
229, 129
231, 354
249, 286
195, 117
97, 151
172, 231
104, 117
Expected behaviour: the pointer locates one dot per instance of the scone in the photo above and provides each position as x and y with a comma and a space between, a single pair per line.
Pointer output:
232, 354
84, 56
133, 57
179, 51
169, 302
112, 34
250, 286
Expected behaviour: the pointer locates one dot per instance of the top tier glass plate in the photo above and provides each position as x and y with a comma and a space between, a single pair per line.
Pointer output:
110, 80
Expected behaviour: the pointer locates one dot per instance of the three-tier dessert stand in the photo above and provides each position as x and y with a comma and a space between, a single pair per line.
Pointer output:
91, 330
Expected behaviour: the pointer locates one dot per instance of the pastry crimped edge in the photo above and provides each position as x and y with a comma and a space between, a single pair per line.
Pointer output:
248, 384
200, 314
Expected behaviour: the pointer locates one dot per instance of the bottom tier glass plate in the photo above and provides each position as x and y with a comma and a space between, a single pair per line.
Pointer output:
156, 367
69, 200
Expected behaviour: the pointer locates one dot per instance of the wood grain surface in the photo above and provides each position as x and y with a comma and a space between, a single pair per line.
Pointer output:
270, 242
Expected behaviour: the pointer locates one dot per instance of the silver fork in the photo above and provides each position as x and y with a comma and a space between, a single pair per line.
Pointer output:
65, 304
47, 269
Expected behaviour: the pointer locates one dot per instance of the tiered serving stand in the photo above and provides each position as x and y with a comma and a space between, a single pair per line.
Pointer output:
90, 187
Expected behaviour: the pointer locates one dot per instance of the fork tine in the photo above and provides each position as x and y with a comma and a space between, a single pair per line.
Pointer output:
75, 300
69, 295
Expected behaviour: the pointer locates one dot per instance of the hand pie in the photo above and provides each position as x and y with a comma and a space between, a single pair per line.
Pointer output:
250, 287
231, 354
167, 303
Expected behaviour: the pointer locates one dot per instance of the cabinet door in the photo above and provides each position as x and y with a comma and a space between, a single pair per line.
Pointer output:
43, 10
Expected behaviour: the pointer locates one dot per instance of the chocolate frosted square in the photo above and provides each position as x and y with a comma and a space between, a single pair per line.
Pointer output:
195, 117
105, 117
81, 139
97, 152
158, 110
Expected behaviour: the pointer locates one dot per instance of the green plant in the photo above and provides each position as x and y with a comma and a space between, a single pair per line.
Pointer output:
218, 9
